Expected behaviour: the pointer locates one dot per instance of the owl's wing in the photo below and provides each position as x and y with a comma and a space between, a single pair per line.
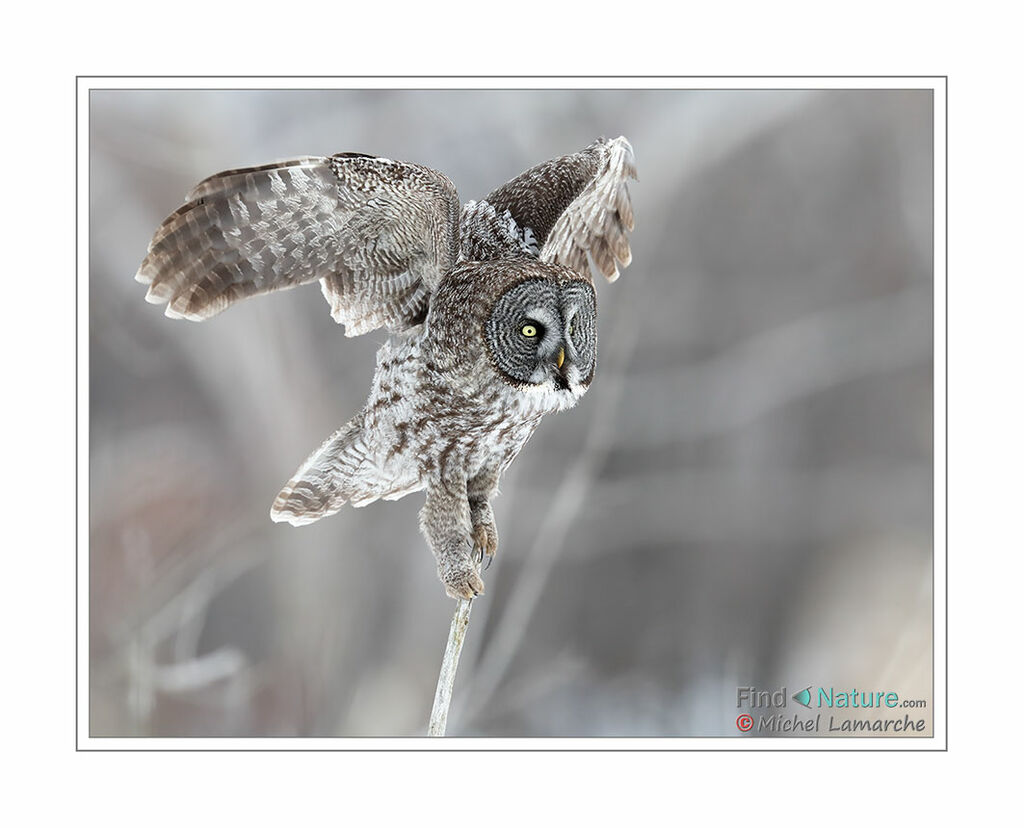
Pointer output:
575, 205
378, 234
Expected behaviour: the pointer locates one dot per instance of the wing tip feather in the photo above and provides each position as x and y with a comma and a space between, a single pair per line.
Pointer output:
628, 158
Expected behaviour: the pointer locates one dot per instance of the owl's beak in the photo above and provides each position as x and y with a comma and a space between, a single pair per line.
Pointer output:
560, 378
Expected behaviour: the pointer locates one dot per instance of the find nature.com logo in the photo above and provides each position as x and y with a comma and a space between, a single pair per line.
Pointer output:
832, 699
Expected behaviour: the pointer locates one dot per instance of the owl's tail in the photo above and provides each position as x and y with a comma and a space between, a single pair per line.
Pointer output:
327, 480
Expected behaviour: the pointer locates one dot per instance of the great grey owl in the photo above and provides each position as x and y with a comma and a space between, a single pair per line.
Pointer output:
490, 304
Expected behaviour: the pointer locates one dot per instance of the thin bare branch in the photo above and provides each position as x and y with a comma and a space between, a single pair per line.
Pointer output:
450, 663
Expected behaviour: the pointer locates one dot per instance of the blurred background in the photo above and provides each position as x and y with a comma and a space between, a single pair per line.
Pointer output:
744, 497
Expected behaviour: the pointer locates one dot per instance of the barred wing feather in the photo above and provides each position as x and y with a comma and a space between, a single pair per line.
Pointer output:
598, 219
378, 234
576, 205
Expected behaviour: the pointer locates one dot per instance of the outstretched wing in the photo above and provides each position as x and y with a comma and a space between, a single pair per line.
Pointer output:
575, 205
378, 234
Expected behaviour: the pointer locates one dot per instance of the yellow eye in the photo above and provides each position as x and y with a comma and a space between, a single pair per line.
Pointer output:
529, 330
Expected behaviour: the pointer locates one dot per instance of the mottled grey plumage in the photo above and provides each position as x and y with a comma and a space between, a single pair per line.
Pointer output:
492, 307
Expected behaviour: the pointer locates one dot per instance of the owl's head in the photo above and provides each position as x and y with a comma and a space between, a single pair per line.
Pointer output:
540, 333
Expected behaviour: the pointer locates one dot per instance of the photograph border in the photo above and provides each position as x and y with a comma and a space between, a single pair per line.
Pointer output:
938, 741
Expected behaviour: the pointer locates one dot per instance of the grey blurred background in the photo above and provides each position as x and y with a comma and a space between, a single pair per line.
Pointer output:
743, 497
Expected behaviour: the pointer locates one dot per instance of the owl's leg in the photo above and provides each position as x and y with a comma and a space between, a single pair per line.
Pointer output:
485, 532
446, 522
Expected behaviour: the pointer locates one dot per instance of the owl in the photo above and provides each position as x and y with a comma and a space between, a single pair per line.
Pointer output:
490, 307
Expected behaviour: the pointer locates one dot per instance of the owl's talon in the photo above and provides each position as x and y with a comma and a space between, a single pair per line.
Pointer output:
485, 539
462, 581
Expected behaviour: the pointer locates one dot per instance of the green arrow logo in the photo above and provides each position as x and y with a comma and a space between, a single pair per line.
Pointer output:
803, 697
